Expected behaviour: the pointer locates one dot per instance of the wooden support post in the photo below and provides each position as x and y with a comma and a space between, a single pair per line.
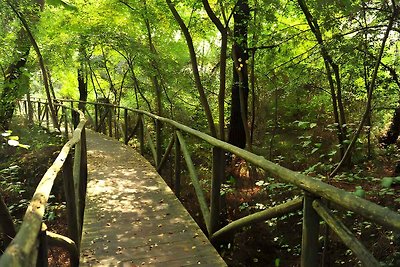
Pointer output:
64, 112
96, 116
116, 120
158, 143
309, 244
56, 240
177, 182
70, 196
30, 108
77, 181
110, 121
42, 257
126, 137
141, 133
195, 182
166, 154
39, 112
47, 116
345, 235
215, 201
83, 174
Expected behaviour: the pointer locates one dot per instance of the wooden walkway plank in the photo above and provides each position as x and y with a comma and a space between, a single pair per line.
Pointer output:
132, 217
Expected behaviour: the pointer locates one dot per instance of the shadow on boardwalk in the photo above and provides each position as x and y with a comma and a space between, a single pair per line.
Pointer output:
132, 217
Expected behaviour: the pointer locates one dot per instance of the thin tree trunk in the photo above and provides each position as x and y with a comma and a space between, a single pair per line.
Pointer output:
41, 64
336, 92
370, 91
193, 59
222, 72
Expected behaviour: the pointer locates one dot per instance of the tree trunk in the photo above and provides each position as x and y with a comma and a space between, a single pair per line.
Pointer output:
195, 68
394, 130
332, 71
41, 64
13, 83
240, 86
82, 86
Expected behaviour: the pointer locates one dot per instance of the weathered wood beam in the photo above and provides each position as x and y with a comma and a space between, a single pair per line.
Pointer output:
264, 215
195, 181
166, 154
345, 235
56, 240
19, 252
150, 140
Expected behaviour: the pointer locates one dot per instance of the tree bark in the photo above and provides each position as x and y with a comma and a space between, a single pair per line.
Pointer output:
238, 130
82, 86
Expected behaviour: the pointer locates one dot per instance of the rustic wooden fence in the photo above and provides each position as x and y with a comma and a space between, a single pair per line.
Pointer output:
30, 246
116, 121
317, 199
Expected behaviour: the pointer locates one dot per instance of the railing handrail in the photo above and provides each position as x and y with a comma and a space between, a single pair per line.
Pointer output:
363, 207
314, 189
22, 247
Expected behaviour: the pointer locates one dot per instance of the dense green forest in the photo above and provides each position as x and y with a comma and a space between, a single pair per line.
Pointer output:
311, 85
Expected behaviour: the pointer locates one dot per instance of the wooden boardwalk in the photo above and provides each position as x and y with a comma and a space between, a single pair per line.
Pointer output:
132, 217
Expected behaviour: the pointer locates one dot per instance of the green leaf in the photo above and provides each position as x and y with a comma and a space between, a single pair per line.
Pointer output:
277, 262
359, 192
387, 182
16, 138
314, 150
24, 146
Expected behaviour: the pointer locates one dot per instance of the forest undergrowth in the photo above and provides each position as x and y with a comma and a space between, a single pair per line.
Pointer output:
277, 242
246, 190
21, 169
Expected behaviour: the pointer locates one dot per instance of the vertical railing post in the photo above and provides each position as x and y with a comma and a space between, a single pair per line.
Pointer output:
141, 133
96, 120
177, 163
83, 176
39, 112
116, 121
30, 108
47, 116
70, 197
64, 112
309, 244
110, 115
126, 126
42, 256
215, 202
158, 142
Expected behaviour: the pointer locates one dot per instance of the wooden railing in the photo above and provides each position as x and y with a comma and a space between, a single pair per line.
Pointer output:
30, 245
115, 121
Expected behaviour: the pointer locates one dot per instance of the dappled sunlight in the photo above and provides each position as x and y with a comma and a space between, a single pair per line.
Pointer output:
132, 217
